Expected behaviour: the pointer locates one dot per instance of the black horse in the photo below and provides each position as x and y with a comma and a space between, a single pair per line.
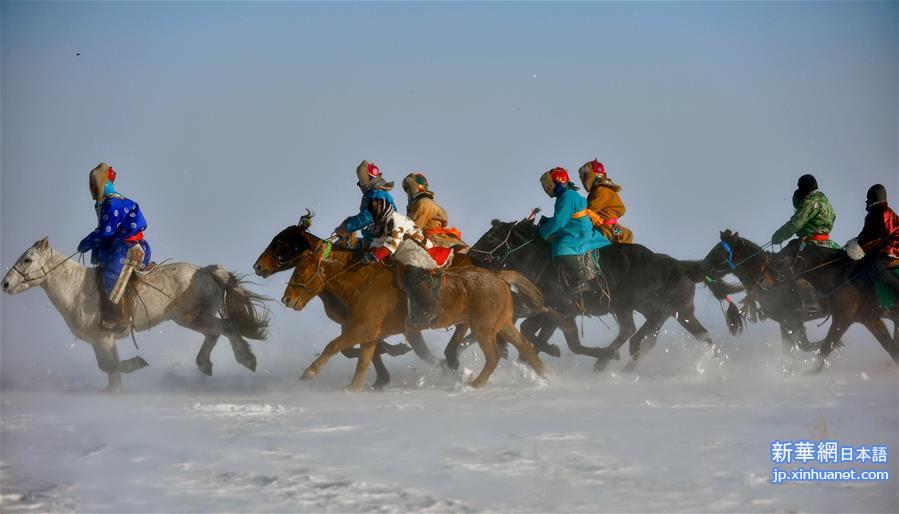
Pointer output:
847, 289
781, 301
633, 278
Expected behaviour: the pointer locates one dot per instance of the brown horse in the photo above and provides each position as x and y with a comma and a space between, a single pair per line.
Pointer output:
282, 254
376, 307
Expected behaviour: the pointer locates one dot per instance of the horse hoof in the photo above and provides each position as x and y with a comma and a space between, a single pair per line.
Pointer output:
396, 350
205, 368
553, 350
353, 388
249, 363
449, 365
379, 387
600, 365
140, 363
308, 375
111, 389
629, 368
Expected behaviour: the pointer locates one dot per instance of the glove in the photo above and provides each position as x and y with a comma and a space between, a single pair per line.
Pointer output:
854, 250
543, 219
369, 258
85, 246
342, 232
777, 238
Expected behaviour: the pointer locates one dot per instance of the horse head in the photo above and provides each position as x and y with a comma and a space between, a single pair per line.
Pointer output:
30, 269
308, 279
493, 248
285, 248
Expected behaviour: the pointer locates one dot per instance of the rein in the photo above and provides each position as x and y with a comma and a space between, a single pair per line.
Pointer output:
505, 242
326, 252
45, 273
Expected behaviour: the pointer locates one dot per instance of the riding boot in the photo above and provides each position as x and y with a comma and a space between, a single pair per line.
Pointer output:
112, 315
423, 304
808, 296
577, 276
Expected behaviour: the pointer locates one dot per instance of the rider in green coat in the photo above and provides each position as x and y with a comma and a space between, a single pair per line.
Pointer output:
814, 216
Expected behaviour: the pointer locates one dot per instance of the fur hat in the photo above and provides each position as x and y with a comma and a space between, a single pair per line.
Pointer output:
805, 185
369, 176
553, 177
416, 186
876, 194
593, 174
98, 178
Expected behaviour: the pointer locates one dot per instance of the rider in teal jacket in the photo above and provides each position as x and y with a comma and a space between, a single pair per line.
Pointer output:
569, 231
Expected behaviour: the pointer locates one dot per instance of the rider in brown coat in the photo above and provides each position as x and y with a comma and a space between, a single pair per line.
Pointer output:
603, 202
428, 214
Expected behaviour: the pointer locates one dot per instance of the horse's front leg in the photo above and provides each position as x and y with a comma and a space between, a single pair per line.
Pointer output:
108, 362
343, 341
365, 356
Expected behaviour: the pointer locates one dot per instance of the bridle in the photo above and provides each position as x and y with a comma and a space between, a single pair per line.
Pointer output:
325, 247
44, 274
490, 255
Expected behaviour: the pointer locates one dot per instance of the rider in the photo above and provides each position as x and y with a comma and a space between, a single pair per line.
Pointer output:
814, 216
374, 188
428, 214
604, 203
879, 238
387, 232
117, 245
570, 230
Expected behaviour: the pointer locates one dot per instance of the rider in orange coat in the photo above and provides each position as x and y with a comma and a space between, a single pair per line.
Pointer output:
428, 214
603, 202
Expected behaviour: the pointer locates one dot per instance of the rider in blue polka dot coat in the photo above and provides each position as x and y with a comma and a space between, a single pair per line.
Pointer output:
120, 225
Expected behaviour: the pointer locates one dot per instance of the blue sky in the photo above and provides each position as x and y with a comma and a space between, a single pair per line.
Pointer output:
225, 120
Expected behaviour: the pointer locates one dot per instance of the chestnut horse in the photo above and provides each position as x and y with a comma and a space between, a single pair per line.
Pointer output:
282, 254
376, 307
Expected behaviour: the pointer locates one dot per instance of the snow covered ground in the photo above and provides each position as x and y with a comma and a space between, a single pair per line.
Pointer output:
683, 434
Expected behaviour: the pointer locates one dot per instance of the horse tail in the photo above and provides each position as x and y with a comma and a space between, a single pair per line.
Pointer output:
245, 309
529, 293
700, 271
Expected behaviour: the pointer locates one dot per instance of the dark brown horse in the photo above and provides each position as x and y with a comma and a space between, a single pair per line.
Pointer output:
766, 297
376, 307
847, 289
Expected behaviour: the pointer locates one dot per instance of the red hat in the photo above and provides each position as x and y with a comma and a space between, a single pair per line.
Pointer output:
598, 168
111, 174
373, 171
560, 175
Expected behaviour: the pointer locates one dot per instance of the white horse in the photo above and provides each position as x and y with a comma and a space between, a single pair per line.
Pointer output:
210, 300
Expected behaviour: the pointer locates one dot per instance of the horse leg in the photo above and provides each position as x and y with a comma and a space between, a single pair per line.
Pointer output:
687, 319
383, 376
393, 350
454, 346
108, 361
879, 330
365, 356
568, 324
837, 327
242, 352
649, 329
487, 342
543, 323
204, 362
133, 364
421, 348
626, 328
525, 351
341, 342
